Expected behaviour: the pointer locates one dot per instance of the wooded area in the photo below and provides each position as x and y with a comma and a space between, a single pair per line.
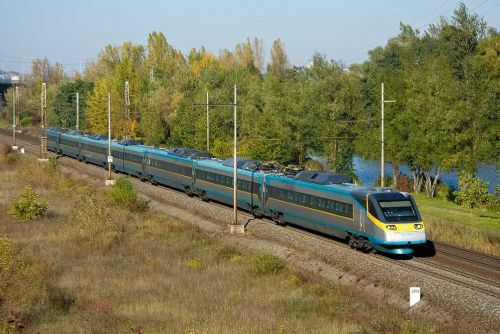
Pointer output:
446, 81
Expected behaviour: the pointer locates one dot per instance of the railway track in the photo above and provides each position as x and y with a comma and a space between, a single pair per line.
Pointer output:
429, 264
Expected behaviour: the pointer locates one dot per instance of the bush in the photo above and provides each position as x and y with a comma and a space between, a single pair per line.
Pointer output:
7, 155
22, 294
6, 255
443, 191
124, 194
473, 192
492, 201
264, 263
404, 183
93, 223
387, 182
26, 121
27, 207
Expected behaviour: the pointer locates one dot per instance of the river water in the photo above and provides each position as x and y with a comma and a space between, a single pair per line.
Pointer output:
369, 171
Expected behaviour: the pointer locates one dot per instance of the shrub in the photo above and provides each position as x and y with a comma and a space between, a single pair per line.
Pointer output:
264, 263
124, 194
443, 191
473, 191
27, 207
26, 121
22, 294
492, 201
92, 222
403, 183
6, 254
52, 166
387, 182
7, 155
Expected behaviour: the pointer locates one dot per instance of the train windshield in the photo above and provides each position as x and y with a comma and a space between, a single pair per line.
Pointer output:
398, 210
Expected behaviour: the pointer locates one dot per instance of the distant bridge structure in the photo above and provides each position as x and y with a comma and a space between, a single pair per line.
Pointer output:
7, 79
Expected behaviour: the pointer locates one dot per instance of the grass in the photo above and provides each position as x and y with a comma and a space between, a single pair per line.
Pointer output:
93, 266
477, 229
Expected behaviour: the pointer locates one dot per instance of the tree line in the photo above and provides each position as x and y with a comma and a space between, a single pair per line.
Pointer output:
446, 81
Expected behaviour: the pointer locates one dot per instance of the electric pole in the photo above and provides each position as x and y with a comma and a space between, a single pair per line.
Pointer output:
14, 97
234, 227
109, 181
77, 111
43, 137
382, 142
208, 127
235, 165
127, 109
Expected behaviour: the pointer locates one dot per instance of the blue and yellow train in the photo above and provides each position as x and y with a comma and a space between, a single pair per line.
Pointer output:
367, 218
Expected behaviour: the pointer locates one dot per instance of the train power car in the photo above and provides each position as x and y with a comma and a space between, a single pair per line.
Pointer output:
380, 219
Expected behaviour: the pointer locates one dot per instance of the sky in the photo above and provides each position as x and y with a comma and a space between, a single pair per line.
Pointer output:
73, 32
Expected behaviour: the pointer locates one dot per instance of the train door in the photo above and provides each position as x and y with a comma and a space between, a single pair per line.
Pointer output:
193, 173
362, 220
143, 164
263, 193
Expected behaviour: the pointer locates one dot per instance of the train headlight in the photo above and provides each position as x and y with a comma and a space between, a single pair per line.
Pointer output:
419, 226
391, 227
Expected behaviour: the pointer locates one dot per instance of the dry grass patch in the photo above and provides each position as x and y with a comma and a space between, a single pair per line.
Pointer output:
100, 268
462, 235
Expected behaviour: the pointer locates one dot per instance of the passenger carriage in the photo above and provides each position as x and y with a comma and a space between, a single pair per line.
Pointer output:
368, 218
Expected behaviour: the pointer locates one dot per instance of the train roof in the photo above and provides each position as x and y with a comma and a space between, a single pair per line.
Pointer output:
130, 142
189, 153
323, 178
216, 163
247, 164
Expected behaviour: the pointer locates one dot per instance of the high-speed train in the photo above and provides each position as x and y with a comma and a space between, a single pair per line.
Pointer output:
380, 219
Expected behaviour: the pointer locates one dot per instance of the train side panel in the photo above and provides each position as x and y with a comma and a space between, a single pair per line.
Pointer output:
312, 206
163, 168
69, 145
53, 138
94, 151
216, 181
133, 160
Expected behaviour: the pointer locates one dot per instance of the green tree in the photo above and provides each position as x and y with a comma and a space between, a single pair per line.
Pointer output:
64, 104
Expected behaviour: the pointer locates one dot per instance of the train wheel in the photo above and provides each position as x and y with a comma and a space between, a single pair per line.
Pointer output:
256, 212
203, 196
188, 191
279, 220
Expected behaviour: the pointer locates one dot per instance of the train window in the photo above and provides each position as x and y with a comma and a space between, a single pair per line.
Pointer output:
298, 197
322, 203
398, 210
371, 209
305, 199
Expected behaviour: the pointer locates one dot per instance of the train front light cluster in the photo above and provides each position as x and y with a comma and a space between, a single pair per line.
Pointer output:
418, 226
391, 227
